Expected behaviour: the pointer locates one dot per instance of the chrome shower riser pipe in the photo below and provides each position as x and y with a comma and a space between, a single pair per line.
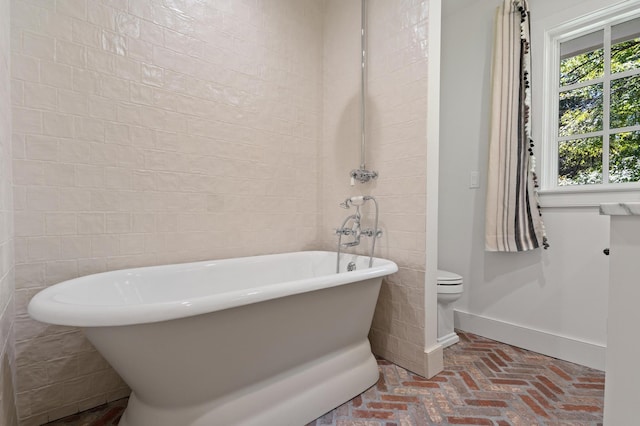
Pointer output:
363, 175
363, 81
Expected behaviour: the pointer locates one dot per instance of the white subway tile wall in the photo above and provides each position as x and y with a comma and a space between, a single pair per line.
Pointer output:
8, 415
396, 128
147, 132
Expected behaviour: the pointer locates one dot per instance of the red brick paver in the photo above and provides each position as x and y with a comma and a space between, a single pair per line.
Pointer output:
484, 383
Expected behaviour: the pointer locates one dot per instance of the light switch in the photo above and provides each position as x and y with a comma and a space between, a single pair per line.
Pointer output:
474, 180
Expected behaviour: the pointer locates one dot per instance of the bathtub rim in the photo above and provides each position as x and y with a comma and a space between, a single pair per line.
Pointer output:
44, 308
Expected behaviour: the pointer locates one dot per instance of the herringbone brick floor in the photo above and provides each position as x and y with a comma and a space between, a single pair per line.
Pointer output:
484, 383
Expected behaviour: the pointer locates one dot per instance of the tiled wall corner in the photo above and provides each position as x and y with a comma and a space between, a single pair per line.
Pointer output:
151, 132
8, 414
396, 108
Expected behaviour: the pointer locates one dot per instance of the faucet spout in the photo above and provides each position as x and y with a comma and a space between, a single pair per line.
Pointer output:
350, 244
355, 230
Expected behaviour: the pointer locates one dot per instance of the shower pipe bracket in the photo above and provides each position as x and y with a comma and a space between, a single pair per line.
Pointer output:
362, 175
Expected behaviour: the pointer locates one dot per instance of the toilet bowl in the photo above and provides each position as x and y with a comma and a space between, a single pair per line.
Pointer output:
449, 290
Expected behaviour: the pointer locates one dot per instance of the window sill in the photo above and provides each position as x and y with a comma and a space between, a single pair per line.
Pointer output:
586, 197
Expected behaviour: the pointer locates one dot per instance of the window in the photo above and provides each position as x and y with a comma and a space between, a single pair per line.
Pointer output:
592, 128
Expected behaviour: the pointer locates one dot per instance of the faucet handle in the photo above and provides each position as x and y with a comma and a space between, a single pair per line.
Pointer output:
369, 232
343, 231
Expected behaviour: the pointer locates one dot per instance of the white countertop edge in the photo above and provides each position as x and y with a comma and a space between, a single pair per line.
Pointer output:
620, 209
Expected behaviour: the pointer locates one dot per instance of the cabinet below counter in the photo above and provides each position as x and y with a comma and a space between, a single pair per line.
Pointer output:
622, 373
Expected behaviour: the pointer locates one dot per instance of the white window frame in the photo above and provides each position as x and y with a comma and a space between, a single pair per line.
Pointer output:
552, 195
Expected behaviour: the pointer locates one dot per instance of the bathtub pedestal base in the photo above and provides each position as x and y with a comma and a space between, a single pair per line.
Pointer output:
294, 398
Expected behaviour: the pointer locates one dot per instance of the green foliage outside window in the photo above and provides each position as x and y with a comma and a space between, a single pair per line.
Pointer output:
624, 157
581, 111
580, 161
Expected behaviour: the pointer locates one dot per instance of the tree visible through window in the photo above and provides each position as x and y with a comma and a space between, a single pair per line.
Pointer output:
599, 106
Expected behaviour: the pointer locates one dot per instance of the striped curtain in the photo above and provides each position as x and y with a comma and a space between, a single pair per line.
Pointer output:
513, 218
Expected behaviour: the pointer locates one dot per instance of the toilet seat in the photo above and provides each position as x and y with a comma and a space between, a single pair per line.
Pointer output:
450, 289
448, 278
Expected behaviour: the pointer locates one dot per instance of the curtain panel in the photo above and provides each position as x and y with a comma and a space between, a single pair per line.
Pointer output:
513, 218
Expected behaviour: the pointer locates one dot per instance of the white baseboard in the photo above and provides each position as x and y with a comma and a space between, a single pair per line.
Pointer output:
561, 347
434, 360
448, 340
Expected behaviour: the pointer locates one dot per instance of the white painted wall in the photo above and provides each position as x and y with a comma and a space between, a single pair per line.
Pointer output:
553, 301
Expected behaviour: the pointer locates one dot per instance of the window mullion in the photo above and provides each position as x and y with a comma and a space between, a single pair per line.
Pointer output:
581, 136
615, 130
581, 84
623, 74
551, 97
606, 99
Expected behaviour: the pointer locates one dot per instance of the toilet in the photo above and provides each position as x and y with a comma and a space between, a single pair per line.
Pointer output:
449, 290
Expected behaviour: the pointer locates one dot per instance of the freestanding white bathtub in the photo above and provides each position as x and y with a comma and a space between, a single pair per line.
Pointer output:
266, 340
